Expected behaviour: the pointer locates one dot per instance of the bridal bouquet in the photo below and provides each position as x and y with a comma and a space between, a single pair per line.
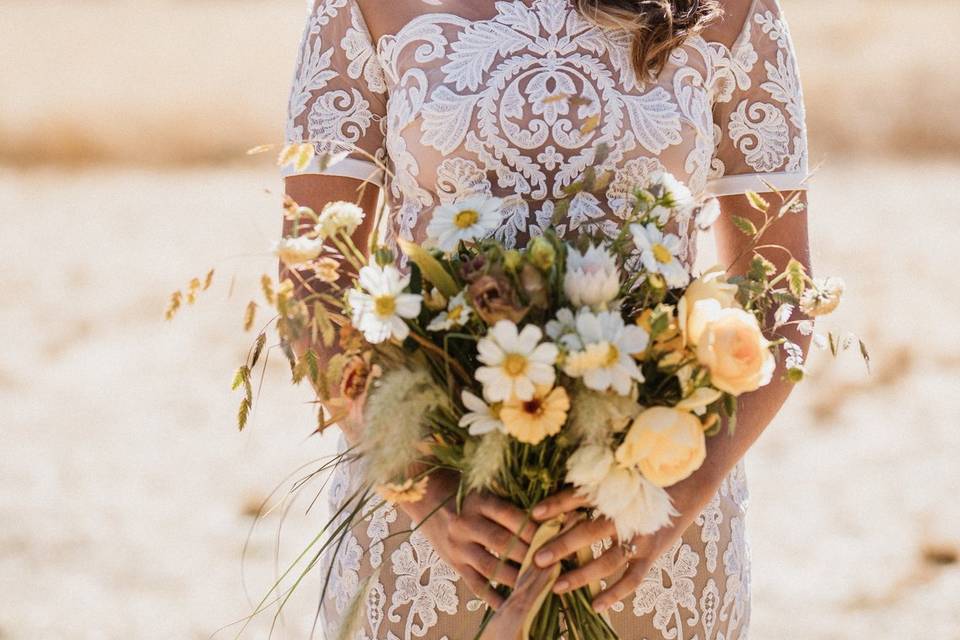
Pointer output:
600, 363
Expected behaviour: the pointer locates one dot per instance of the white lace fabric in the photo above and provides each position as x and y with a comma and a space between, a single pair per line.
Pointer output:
461, 99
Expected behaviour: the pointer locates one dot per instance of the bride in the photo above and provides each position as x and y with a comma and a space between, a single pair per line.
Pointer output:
510, 99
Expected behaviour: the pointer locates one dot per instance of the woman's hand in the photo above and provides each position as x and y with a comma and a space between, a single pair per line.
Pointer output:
468, 541
508, 621
631, 561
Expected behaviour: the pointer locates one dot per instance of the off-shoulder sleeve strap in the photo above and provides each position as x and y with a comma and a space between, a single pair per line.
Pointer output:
338, 97
759, 119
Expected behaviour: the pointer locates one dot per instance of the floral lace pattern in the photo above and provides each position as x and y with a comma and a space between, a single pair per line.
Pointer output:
457, 105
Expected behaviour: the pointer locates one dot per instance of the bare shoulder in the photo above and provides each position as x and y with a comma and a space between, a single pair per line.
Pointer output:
728, 27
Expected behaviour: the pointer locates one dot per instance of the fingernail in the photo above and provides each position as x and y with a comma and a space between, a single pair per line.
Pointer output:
544, 558
561, 586
539, 512
598, 607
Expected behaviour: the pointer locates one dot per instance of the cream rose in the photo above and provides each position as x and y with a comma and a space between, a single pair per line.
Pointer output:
703, 299
665, 444
735, 351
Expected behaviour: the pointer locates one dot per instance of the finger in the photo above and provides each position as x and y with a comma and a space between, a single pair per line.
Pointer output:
580, 536
605, 566
623, 587
480, 586
493, 569
563, 502
495, 538
506, 515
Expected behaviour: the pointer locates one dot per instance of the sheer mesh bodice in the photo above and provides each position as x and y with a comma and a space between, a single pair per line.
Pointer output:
511, 99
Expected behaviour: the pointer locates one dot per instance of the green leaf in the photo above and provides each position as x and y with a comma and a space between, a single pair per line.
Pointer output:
745, 226
659, 324
757, 202
431, 268
796, 277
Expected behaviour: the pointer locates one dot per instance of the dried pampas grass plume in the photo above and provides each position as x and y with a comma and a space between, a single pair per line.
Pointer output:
396, 415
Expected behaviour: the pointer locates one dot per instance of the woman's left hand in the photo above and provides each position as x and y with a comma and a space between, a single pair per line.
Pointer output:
633, 559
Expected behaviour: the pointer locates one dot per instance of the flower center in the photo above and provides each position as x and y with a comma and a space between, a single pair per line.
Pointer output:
515, 364
466, 218
613, 355
662, 254
533, 407
384, 305
455, 313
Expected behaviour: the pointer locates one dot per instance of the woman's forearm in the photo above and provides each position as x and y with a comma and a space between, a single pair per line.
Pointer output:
755, 411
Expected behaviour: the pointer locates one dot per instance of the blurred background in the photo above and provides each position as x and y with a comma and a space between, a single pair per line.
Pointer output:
126, 493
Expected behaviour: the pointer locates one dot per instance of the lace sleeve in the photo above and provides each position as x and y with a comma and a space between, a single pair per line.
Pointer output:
338, 97
759, 116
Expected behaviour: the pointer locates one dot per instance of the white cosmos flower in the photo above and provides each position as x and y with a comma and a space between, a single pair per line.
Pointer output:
456, 315
515, 362
294, 251
563, 329
677, 195
605, 362
481, 417
379, 310
337, 216
658, 252
470, 219
592, 278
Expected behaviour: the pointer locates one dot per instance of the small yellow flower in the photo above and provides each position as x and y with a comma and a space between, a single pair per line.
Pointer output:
409, 491
533, 420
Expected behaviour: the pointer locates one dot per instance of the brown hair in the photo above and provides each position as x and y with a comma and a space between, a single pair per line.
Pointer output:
658, 26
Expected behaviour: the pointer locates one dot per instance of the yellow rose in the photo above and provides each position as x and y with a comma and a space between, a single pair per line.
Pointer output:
735, 351
666, 444
707, 295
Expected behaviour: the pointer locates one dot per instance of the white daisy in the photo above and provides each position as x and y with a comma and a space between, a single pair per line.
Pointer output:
456, 315
592, 278
658, 252
379, 311
563, 329
481, 417
515, 362
606, 361
468, 220
677, 194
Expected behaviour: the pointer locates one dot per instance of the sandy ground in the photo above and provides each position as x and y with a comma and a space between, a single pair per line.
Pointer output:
126, 492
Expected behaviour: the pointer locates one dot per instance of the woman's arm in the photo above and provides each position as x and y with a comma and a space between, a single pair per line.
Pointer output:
755, 411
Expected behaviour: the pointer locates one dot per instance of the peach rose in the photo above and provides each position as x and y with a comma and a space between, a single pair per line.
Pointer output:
665, 444
736, 352
705, 296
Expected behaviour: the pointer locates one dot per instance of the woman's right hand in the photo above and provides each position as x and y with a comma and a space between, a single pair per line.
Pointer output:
467, 541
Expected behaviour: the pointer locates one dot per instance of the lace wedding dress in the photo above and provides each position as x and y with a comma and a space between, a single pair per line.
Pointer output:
457, 98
